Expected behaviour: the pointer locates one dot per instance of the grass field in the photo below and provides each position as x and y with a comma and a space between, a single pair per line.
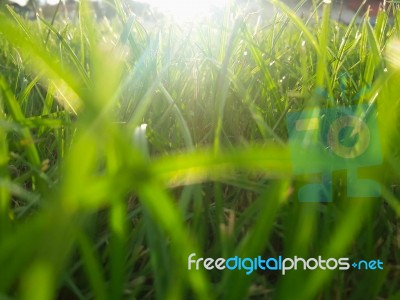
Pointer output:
124, 149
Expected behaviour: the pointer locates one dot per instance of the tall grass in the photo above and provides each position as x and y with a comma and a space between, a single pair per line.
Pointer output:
95, 204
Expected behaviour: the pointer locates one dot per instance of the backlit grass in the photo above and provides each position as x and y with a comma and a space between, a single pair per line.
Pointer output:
123, 149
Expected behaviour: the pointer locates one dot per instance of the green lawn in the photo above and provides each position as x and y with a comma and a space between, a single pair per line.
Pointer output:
94, 204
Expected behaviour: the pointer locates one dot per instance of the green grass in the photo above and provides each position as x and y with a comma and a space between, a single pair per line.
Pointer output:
95, 206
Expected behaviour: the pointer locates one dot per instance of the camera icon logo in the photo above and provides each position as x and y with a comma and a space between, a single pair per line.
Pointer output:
323, 140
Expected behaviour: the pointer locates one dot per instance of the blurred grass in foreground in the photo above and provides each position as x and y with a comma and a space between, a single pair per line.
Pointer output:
94, 204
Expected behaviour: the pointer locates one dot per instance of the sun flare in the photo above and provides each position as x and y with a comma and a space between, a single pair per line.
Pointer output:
186, 10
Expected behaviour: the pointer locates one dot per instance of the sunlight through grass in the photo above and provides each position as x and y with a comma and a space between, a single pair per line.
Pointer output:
125, 148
